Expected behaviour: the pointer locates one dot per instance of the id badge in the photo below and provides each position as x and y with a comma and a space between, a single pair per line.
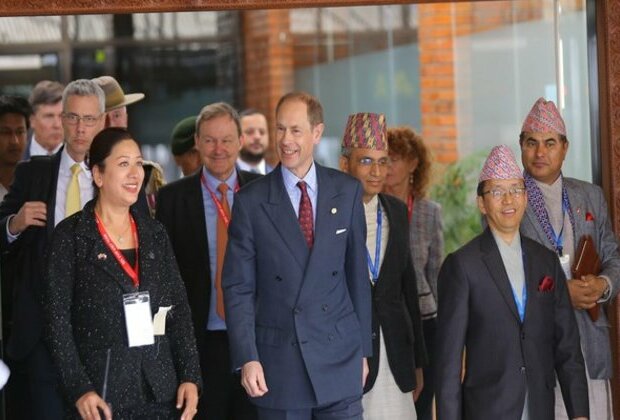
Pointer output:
138, 319
565, 263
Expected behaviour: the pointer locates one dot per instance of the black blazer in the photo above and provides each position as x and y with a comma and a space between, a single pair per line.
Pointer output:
83, 308
395, 305
180, 208
35, 180
504, 356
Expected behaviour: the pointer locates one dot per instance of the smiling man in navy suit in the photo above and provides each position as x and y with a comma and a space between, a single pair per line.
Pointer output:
296, 283
504, 298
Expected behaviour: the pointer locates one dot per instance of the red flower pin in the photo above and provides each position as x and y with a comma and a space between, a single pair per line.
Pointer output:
589, 217
546, 284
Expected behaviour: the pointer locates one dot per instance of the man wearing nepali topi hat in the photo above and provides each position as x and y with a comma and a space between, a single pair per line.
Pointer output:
391, 388
504, 298
560, 213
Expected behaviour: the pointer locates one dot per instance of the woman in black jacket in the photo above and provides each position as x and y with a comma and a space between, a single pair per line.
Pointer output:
99, 259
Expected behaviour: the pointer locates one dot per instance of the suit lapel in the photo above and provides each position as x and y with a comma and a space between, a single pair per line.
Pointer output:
540, 233
390, 247
578, 207
51, 199
282, 215
195, 211
493, 260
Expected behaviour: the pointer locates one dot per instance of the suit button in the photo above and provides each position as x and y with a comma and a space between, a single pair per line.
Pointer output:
374, 336
522, 369
330, 337
324, 307
334, 273
297, 311
278, 278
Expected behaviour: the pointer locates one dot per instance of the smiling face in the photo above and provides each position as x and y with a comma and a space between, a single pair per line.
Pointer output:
120, 178
503, 213
542, 155
370, 167
296, 137
218, 142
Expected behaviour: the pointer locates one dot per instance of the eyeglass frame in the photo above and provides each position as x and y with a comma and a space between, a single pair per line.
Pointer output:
498, 194
72, 118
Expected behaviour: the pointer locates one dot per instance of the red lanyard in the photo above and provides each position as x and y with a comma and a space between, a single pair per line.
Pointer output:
131, 271
409, 207
218, 204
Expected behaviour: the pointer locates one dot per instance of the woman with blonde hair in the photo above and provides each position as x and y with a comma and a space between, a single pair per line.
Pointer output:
408, 178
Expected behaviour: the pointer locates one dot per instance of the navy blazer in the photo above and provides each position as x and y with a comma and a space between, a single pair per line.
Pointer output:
305, 314
504, 356
83, 308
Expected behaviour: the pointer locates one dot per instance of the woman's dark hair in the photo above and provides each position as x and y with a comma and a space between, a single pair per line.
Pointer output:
104, 142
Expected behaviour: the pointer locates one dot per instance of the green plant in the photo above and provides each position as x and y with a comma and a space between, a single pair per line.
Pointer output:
456, 192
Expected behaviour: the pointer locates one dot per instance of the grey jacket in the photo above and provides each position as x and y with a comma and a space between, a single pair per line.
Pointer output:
591, 218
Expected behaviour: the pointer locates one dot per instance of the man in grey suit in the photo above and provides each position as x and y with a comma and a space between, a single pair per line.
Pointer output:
503, 298
296, 284
561, 211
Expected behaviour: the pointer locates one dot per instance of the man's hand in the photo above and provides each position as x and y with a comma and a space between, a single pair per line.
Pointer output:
585, 292
187, 395
419, 381
253, 379
89, 405
365, 371
32, 213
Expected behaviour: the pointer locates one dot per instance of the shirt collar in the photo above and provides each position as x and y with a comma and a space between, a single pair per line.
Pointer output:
213, 182
291, 180
66, 162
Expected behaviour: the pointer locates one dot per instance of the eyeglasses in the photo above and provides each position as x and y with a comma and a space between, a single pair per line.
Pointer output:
87, 120
384, 162
498, 193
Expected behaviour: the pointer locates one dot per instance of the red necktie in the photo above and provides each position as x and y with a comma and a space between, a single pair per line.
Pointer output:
222, 239
305, 214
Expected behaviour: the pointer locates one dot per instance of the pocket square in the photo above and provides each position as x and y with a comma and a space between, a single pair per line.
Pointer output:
546, 284
589, 217
339, 231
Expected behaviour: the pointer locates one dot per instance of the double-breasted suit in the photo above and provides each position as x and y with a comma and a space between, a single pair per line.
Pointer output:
83, 305
395, 305
591, 218
303, 313
505, 357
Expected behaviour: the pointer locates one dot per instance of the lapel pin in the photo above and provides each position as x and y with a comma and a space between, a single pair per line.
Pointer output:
151, 255
102, 257
334, 210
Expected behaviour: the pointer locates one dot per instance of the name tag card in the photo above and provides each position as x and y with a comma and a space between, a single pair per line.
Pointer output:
138, 319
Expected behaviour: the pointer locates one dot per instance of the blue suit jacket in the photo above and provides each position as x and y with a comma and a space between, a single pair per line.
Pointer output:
304, 314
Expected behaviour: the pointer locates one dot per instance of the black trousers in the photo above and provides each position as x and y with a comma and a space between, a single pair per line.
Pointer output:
223, 397
424, 405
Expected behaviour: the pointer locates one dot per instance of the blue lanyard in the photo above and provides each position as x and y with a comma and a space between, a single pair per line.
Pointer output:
374, 268
521, 302
559, 239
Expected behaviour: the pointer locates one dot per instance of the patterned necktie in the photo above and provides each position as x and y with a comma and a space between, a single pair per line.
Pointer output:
222, 240
305, 214
73, 204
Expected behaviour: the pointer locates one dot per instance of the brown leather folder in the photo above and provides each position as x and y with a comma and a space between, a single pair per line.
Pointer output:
587, 262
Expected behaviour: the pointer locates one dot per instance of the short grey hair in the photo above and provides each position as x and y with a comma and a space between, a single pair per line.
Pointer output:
215, 110
84, 87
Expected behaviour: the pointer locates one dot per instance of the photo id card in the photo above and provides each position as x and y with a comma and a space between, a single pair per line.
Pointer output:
138, 319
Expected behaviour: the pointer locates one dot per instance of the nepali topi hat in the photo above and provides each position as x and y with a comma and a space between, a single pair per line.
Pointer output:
544, 117
500, 164
365, 130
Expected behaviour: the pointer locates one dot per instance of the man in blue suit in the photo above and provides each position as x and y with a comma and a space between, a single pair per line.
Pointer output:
296, 285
